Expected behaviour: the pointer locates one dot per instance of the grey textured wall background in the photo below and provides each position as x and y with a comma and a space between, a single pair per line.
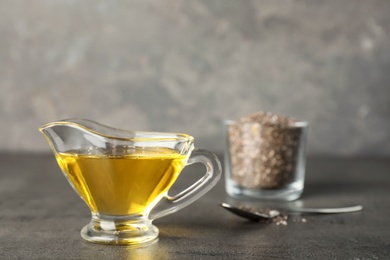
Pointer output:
185, 66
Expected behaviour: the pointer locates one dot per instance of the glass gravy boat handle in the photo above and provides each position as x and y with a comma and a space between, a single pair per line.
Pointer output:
171, 204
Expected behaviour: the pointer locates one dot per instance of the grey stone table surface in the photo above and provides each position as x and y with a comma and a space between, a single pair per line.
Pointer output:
41, 217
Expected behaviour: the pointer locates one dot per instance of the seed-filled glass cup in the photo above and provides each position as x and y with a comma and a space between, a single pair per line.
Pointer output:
124, 176
265, 161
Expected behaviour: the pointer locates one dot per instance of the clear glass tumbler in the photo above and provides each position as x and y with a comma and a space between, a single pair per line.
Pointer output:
265, 161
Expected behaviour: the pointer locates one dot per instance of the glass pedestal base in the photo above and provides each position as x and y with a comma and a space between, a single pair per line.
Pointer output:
136, 232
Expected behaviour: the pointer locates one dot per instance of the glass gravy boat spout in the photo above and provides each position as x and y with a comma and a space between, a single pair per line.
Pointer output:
124, 176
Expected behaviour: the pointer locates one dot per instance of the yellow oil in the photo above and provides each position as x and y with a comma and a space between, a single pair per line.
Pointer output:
122, 184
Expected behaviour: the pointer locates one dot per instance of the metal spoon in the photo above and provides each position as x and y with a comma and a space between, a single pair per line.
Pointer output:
258, 214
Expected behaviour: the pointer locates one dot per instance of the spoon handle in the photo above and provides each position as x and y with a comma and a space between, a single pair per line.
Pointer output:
327, 210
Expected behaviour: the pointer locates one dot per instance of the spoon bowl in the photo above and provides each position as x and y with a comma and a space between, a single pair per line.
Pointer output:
249, 213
